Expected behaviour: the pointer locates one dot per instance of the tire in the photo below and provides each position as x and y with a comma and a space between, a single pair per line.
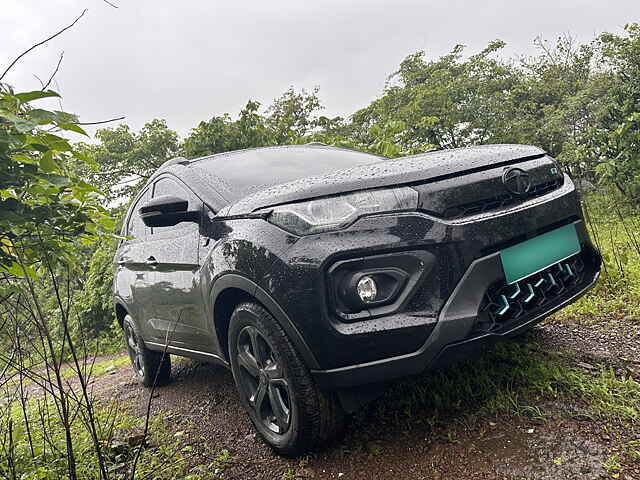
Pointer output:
148, 365
291, 414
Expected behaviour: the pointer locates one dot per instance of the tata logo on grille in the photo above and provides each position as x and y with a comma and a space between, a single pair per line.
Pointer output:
517, 181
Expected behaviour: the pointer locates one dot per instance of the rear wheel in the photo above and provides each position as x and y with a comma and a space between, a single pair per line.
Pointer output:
150, 366
289, 411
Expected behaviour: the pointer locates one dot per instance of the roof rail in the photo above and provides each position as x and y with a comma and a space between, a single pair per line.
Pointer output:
174, 161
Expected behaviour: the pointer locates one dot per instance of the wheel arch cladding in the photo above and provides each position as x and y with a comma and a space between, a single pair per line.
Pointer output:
121, 312
224, 306
232, 289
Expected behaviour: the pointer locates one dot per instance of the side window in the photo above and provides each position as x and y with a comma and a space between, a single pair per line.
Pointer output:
169, 186
135, 226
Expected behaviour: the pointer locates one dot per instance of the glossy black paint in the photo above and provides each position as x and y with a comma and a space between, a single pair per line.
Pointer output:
167, 211
180, 283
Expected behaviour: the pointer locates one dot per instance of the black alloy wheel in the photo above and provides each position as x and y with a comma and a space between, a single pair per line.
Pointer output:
291, 414
150, 366
134, 350
262, 380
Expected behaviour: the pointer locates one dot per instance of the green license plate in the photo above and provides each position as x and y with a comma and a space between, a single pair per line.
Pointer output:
538, 253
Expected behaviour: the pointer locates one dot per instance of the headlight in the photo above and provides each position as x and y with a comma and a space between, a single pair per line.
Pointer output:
333, 213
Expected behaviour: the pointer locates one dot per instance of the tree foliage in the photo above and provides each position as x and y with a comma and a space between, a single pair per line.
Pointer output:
124, 158
48, 213
615, 142
45, 206
447, 103
292, 115
222, 134
95, 302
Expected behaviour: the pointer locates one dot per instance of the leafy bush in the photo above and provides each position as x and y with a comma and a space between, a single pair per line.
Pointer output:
44, 206
95, 302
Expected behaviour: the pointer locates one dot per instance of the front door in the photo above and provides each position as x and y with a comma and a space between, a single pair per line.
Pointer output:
134, 273
178, 307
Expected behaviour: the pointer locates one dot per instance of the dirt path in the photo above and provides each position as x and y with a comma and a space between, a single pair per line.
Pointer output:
202, 402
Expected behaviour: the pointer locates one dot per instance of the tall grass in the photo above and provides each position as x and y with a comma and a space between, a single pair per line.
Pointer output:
513, 379
614, 226
37, 454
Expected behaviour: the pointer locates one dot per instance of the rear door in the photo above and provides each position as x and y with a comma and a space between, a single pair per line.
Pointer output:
178, 310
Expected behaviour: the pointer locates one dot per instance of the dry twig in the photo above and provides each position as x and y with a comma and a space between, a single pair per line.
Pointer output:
41, 43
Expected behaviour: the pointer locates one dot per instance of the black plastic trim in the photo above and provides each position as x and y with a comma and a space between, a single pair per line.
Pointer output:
233, 280
187, 352
409, 267
455, 323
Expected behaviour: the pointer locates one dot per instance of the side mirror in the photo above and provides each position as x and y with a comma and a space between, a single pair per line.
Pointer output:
166, 211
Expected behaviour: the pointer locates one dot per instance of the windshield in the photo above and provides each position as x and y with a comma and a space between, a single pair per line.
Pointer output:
238, 174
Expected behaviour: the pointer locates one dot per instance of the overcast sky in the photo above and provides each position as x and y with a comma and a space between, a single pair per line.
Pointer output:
188, 60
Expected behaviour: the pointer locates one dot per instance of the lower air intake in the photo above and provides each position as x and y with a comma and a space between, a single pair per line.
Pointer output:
505, 305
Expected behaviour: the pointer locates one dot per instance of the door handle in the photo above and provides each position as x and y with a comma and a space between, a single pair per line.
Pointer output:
151, 261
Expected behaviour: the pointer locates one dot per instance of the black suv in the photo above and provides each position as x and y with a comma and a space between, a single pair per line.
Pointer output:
317, 273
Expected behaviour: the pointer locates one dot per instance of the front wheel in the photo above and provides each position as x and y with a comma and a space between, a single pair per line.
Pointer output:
289, 411
150, 367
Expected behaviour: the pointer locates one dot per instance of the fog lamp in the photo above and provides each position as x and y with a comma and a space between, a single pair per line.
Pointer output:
367, 289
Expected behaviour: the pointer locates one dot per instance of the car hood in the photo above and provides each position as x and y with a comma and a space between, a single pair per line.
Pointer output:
431, 166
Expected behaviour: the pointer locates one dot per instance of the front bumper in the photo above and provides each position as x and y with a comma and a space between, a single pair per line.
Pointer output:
422, 328
455, 336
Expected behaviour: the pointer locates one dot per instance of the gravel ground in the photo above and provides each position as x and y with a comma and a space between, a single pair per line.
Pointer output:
202, 402
615, 342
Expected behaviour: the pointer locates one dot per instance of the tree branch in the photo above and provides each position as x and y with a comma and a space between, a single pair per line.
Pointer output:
100, 122
44, 87
109, 3
41, 82
42, 42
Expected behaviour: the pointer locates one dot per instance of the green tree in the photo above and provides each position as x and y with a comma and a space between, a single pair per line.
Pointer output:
47, 212
222, 134
615, 142
449, 102
290, 119
564, 97
124, 159
292, 115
